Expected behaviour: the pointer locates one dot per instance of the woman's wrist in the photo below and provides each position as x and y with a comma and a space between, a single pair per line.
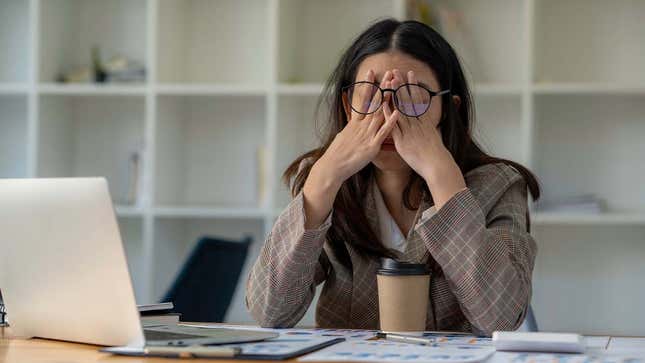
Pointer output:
319, 193
444, 180
326, 176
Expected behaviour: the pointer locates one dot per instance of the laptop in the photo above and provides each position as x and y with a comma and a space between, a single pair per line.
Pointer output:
63, 269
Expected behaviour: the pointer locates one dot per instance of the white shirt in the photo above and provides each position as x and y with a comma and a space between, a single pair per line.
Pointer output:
391, 234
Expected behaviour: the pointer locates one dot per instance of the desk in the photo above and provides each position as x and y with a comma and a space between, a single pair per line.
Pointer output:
51, 351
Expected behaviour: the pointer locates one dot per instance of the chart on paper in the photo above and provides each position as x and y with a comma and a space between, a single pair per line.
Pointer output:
386, 351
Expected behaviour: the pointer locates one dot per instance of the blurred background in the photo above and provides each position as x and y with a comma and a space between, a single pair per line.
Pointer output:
192, 109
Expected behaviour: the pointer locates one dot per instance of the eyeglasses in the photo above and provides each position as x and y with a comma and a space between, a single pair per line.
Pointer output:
410, 99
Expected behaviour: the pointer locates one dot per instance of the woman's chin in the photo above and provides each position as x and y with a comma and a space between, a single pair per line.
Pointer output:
389, 160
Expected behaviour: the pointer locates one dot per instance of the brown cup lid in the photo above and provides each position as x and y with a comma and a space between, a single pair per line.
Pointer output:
391, 267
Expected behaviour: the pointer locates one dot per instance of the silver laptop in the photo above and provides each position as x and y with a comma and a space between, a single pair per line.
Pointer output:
63, 270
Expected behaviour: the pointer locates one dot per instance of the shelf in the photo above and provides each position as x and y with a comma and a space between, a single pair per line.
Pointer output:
205, 212
203, 41
501, 89
485, 89
13, 89
580, 271
207, 150
70, 28
91, 136
304, 89
498, 126
212, 89
589, 41
296, 135
14, 41
176, 237
609, 88
91, 89
612, 218
466, 24
13, 137
312, 34
126, 211
591, 144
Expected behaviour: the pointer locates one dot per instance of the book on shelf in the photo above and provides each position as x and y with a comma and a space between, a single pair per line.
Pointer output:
261, 170
164, 319
164, 307
123, 69
134, 170
450, 21
158, 314
132, 181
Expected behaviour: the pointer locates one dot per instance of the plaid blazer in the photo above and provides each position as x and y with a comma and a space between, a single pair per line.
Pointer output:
477, 245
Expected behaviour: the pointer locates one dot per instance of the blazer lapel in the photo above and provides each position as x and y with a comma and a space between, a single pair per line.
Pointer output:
370, 206
364, 301
416, 251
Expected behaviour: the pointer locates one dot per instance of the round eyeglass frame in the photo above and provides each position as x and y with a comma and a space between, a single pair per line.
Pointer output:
396, 101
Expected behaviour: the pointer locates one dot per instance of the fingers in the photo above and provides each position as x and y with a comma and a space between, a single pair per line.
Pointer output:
378, 118
402, 99
417, 98
407, 97
397, 134
362, 99
396, 128
389, 126
387, 77
397, 78
387, 111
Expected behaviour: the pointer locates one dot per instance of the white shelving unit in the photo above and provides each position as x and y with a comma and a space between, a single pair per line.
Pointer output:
232, 85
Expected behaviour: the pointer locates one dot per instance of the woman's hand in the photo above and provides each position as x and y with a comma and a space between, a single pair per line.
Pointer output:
418, 141
352, 149
359, 142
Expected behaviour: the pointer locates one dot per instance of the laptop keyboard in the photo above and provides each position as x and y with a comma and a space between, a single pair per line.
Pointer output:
179, 334
168, 335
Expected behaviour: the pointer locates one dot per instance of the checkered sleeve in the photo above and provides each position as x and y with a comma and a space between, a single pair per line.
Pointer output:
283, 280
487, 259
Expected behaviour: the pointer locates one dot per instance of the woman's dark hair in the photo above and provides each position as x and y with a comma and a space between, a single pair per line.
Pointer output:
349, 221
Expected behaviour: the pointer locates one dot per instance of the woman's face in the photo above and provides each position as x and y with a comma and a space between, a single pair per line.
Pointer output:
388, 159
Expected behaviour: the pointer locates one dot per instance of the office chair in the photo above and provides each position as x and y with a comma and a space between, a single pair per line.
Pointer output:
204, 287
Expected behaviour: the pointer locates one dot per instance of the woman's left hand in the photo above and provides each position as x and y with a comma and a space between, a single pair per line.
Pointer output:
418, 141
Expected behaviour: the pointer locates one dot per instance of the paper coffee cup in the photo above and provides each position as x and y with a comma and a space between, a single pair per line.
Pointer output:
403, 294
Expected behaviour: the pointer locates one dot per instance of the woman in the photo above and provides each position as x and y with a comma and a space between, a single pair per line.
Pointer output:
399, 176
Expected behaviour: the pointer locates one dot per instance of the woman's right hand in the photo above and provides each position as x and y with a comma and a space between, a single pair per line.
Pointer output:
359, 142
352, 149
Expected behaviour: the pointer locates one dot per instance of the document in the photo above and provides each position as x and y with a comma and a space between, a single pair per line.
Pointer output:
387, 351
348, 334
597, 342
508, 357
283, 347
623, 344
